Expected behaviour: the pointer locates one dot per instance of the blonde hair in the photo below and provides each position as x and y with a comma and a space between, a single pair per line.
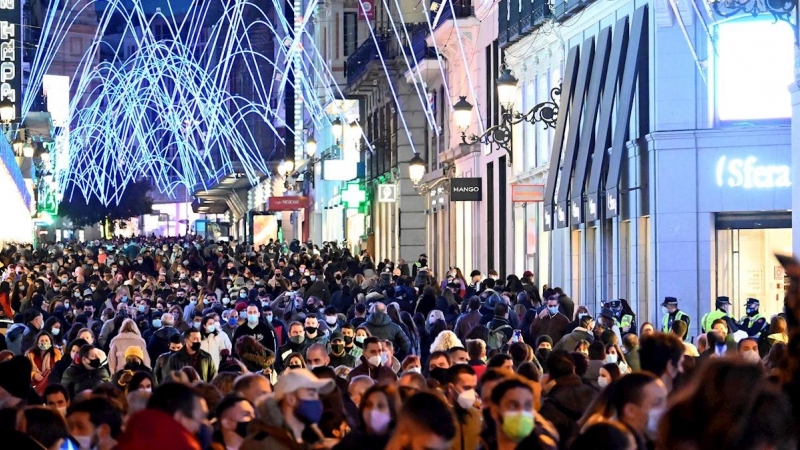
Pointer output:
445, 341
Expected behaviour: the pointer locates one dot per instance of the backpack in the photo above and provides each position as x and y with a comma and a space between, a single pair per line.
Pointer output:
497, 338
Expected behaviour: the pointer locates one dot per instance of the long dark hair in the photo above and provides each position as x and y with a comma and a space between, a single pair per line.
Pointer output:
35, 347
392, 398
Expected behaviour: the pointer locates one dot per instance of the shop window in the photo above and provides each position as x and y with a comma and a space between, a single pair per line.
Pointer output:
754, 66
350, 33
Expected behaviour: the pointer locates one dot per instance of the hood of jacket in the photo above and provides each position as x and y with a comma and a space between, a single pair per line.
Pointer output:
379, 319
128, 339
165, 332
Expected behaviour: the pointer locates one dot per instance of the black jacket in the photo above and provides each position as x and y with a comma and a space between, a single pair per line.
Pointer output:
380, 325
205, 365
159, 342
263, 333
78, 378
565, 404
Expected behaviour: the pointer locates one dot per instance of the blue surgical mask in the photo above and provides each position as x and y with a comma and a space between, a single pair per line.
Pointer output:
269, 317
211, 328
243, 295
141, 308
232, 321
196, 325
309, 410
124, 299
243, 314
156, 323
553, 310
252, 319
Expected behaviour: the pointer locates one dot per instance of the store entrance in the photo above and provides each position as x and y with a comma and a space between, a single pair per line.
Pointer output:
746, 264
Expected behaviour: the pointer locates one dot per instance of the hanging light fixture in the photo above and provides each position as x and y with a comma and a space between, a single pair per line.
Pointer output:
27, 150
416, 169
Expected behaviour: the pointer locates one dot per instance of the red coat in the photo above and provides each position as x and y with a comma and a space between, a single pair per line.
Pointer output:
151, 429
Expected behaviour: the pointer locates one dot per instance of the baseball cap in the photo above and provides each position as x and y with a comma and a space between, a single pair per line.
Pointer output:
297, 379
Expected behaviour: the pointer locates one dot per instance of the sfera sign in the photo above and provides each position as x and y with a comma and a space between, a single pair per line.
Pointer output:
11, 54
747, 173
466, 189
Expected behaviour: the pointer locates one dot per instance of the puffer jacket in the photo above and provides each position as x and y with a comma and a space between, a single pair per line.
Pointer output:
78, 378
566, 403
120, 343
214, 343
380, 325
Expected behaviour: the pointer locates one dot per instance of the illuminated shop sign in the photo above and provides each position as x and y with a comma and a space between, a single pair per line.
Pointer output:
11, 54
747, 173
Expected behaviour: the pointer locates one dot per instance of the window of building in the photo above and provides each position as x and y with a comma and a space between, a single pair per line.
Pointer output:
754, 66
350, 33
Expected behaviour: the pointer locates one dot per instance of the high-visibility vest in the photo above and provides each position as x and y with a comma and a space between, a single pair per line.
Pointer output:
708, 319
751, 320
625, 321
667, 326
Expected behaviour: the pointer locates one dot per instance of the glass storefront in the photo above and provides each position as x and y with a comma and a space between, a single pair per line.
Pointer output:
746, 266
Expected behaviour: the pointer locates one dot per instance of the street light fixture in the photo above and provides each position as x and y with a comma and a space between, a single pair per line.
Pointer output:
288, 166
500, 134
7, 111
18, 143
416, 169
311, 147
336, 129
27, 150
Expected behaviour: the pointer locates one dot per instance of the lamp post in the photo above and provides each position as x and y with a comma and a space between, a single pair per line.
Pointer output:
416, 169
500, 134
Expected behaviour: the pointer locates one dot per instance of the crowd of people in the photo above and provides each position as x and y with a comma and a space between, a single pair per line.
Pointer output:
178, 343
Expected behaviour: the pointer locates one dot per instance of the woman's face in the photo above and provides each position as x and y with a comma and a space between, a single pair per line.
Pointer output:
375, 405
56, 326
604, 374
361, 333
611, 351
44, 340
295, 362
145, 385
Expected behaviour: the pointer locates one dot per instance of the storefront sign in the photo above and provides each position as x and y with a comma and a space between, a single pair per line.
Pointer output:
11, 54
286, 203
466, 189
527, 193
747, 173
354, 195
387, 193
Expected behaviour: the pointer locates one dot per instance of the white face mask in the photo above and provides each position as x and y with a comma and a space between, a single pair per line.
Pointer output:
602, 382
653, 419
414, 370
466, 399
379, 421
611, 358
62, 410
331, 320
374, 361
751, 357
84, 442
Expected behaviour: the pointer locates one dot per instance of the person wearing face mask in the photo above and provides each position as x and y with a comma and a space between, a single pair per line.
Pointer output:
297, 343
460, 383
281, 331
550, 321
229, 323
349, 334
159, 342
160, 367
640, 400
371, 363
313, 333
128, 337
377, 419
193, 356
95, 423
338, 354
234, 415
213, 340
43, 356
748, 348
723, 305
89, 369
318, 288
297, 397
258, 329
583, 332
57, 397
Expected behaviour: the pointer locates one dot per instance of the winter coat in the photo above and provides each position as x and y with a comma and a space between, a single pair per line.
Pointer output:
205, 364
156, 429
319, 290
376, 373
159, 342
120, 343
466, 323
78, 378
553, 326
214, 343
570, 341
14, 337
263, 333
380, 325
565, 405
29, 338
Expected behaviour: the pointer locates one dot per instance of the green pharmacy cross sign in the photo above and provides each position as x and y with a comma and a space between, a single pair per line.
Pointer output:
353, 195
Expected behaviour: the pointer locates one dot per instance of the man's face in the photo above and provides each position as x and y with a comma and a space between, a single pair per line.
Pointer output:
459, 357
465, 382
242, 412
57, 400
257, 389
721, 328
654, 397
296, 330
80, 424
515, 400
372, 350
748, 346
193, 338
438, 362
312, 322
252, 310
317, 358
175, 347
347, 332
552, 303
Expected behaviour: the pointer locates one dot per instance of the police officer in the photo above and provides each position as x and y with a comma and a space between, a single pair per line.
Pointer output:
723, 305
753, 323
671, 314
625, 320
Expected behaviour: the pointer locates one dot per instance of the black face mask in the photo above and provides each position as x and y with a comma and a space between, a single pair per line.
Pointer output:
311, 330
195, 346
94, 363
134, 366
439, 374
359, 344
337, 348
295, 366
241, 428
348, 340
542, 354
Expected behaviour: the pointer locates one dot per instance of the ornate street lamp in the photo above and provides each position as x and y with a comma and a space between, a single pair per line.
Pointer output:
500, 134
336, 129
27, 150
416, 169
311, 147
7, 111
18, 144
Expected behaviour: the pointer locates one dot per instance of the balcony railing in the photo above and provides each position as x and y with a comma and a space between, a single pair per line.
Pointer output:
461, 8
358, 63
564, 9
515, 24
